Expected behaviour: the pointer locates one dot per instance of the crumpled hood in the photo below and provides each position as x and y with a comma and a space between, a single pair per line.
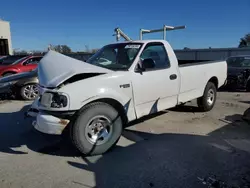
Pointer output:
55, 68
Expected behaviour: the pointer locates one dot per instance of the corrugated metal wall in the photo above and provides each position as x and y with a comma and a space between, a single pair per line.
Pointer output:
211, 54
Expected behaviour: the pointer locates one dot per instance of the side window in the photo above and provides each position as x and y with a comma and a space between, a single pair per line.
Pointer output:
34, 60
158, 53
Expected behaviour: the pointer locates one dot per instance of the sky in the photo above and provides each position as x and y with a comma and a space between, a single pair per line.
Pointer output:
81, 23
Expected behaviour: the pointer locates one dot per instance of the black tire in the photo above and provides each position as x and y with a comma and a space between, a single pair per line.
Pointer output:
78, 128
203, 102
24, 96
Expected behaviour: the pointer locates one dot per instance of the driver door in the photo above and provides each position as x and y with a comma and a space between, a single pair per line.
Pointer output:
155, 89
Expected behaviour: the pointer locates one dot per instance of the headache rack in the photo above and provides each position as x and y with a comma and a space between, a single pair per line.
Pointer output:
119, 33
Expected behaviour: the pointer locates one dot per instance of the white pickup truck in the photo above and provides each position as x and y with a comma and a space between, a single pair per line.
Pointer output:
120, 83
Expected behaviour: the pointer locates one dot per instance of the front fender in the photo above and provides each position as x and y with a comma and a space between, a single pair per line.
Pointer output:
123, 96
125, 100
119, 97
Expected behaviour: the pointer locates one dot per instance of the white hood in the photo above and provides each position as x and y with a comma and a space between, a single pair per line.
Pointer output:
54, 68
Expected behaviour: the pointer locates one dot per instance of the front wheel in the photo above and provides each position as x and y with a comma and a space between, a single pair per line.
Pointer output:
207, 101
97, 128
29, 92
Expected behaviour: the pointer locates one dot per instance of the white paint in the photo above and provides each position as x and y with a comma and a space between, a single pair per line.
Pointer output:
149, 92
154, 91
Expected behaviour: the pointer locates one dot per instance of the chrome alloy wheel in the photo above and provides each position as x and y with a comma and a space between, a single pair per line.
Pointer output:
30, 91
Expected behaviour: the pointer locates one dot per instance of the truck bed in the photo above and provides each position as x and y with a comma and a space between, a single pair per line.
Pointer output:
195, 75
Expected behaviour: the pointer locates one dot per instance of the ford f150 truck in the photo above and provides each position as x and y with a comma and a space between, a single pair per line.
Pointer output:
120, 83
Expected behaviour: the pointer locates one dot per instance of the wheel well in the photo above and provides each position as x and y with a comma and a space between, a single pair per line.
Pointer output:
27, 83
8, 72
114, 103
117, 105
215, 81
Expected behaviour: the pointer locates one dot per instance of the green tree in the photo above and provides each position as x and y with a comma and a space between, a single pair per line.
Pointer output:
245, 41
62, 49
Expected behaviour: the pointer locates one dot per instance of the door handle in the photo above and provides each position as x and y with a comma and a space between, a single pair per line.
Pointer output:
173, 76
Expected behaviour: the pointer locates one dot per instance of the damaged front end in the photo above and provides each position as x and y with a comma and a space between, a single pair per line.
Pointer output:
48, 122
52, 109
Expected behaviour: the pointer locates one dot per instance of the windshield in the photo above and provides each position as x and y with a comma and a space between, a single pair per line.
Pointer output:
116, 56
238, 62
8, 60
18, 61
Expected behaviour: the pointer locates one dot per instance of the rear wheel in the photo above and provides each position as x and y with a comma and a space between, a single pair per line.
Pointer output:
29, 91
97, 128
207, 101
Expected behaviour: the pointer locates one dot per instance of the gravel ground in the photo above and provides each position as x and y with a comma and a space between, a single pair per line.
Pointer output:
180, 147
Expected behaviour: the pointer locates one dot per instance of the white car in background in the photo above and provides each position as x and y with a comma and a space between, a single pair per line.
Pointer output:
96, 99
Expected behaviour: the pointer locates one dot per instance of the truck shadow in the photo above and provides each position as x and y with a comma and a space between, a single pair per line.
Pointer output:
186, 108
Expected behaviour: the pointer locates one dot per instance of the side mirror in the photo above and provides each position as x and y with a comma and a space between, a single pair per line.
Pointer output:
139, 68
148, 64
145, 64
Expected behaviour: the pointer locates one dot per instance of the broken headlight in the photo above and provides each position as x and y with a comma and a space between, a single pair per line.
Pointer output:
54, 100
59, 101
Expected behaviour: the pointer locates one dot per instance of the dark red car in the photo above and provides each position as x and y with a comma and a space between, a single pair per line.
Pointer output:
24, 64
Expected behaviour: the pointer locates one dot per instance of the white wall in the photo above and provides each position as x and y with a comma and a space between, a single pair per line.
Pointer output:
5, 33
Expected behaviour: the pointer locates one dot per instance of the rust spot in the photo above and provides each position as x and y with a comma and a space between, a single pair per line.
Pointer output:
64, 121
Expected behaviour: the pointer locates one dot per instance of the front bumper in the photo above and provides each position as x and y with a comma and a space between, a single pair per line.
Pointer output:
44, 122
49, 124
